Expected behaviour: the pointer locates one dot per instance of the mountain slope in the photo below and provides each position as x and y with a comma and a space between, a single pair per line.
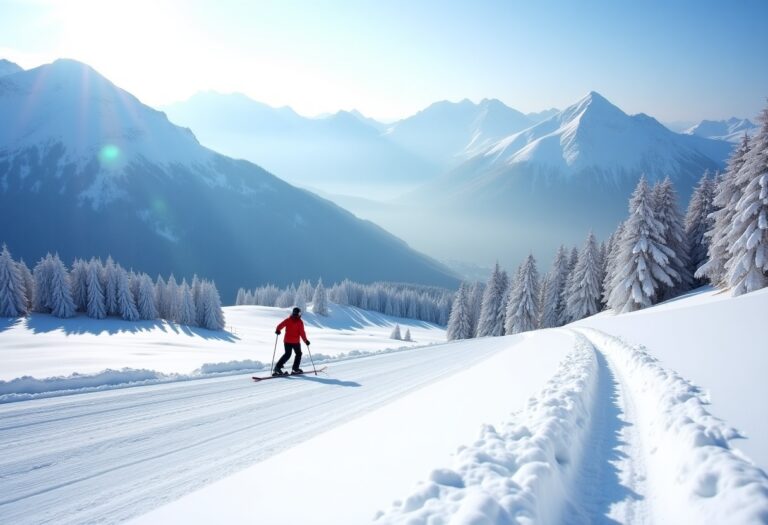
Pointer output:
551, 183
446, 133
86, 169
7, 67
731, 130
340, 153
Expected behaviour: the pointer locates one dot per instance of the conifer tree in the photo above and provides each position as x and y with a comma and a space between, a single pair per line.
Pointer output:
475, 305
173, 296
396, 333
146, 302
29, 283
110, 287
698, 222
553, 307
125, 303
213, 315
95, 303
585, 294
77, 277
60, 300
41, 275
667, 213
747, 238
240, 299
407, 336
161, 297
493, 309
522, 313
642, 263
726, 196
320, 299
187, 312
460, 322
13, 301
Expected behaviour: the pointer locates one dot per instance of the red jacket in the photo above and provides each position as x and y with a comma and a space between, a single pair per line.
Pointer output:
294, 328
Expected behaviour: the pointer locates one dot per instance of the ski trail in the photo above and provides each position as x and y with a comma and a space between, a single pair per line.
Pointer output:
609, 486
107, 456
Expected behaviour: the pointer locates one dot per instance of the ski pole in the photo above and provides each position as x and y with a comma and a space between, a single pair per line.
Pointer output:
277, 336
311, 361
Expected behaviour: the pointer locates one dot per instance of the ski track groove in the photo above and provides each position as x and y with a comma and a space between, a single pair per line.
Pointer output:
163, 441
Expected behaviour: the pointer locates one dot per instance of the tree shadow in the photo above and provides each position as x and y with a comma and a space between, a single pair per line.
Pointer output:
9, 322
44, 323
599, 480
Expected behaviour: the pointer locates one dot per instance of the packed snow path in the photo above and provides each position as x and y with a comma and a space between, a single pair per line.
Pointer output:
613, 438
107, 456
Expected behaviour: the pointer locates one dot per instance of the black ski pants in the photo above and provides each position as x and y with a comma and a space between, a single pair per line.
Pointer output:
296, 347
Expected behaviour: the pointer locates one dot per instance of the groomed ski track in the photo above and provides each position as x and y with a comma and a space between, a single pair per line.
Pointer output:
103, 457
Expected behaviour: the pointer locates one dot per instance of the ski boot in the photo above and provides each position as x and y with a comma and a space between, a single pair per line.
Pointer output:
279, 372
297, 371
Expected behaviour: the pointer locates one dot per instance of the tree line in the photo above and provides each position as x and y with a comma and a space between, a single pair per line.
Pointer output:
101, 290
654, 255
424, 303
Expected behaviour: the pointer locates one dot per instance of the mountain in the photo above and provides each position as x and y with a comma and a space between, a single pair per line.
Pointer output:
8, 68
541, 116
446, 133
550, 184
731, 130
87, 169
341, 153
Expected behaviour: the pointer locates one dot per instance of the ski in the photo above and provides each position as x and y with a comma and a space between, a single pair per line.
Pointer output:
264, 378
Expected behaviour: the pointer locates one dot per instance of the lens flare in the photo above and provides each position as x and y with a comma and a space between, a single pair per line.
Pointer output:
109, 154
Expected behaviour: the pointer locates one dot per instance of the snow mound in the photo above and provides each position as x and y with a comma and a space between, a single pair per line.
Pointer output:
519, 474
691, 459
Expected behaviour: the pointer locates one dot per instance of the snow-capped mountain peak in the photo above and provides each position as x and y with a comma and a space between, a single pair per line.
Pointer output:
732, 129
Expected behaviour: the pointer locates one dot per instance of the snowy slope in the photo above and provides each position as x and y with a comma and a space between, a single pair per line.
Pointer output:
95, 172
732, 129
571, 425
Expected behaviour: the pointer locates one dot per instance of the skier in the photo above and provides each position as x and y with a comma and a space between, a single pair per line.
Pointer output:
294, 332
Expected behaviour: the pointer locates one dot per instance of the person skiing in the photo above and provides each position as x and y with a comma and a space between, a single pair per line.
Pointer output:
294, 332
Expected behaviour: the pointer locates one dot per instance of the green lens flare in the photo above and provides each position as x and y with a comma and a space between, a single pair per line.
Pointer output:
109, 154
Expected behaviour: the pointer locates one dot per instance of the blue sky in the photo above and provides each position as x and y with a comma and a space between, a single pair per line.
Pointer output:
675, 60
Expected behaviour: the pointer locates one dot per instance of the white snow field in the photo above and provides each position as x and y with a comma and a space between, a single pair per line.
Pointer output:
571, 425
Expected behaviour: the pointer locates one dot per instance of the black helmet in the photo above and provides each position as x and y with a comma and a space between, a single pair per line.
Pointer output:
296, 311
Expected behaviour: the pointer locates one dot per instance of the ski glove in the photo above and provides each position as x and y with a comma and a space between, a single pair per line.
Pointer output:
277, 332
307, 342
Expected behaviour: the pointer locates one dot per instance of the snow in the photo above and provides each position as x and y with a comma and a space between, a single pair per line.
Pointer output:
579, 424
711, 339
731, 130
65, 355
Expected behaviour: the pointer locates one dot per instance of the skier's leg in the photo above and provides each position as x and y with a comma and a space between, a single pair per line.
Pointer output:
284, 358
297, 359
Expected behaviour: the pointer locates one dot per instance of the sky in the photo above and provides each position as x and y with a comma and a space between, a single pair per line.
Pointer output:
677, 61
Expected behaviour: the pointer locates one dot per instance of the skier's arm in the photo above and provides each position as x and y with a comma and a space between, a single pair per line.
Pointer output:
281, 326
303, 334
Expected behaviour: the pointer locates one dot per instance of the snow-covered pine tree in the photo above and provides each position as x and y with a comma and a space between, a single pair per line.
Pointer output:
522, 313
572, 260
475, 305
13, 301
407, 336
187, 312
320, 299
553, 307
306, 290
96, 307
29, 283
134, 281
459, 321
586, 292
286, 298
747, 238
240, 299
493, 308
41, 275
250, 298
610, 262
146, 301
396, 333
667, 213
77, 276
110, 286
195, 287
642, 263
60, 300
161, 297
126, 304
727, 194
213, 315
173, 296
698, 222
300, 300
